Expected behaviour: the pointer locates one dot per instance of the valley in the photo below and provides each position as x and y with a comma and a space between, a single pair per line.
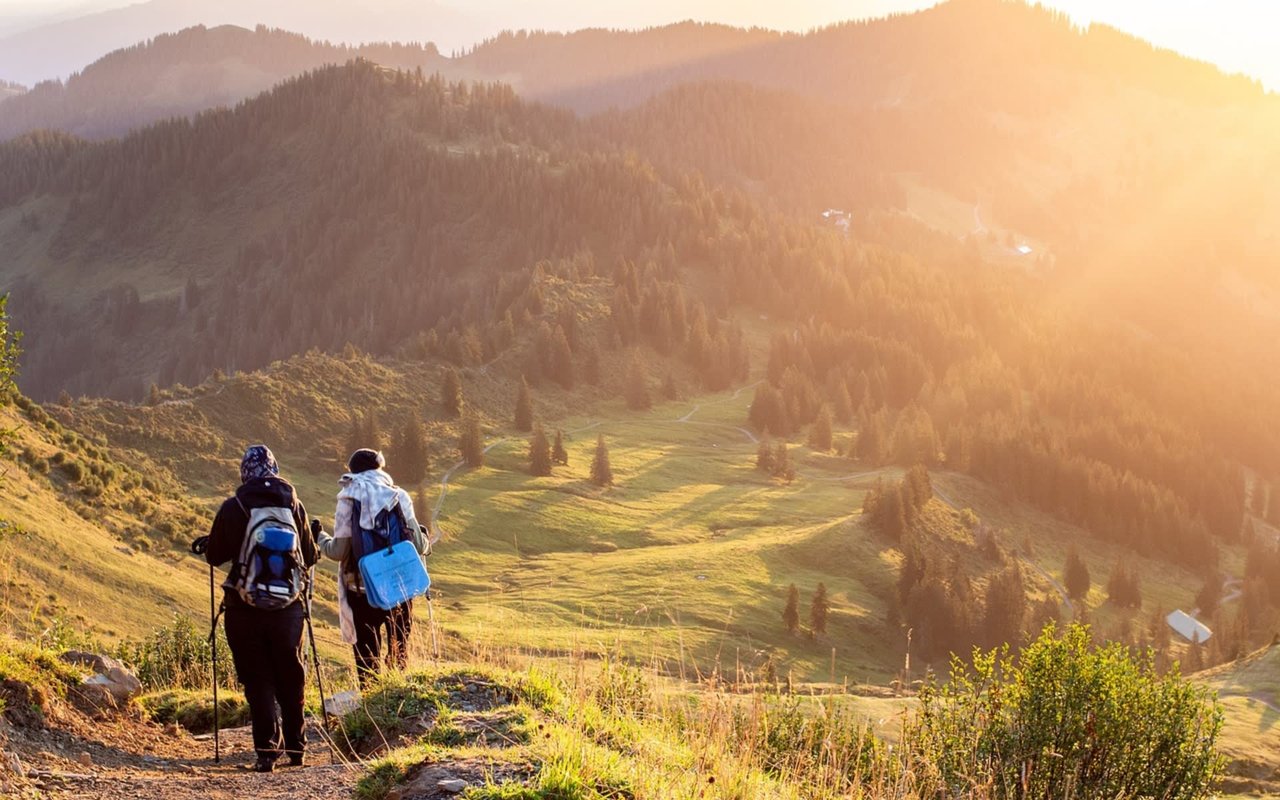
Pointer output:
870, 354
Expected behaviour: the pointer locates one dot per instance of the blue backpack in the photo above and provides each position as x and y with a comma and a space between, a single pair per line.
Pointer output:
391, 571
269, 574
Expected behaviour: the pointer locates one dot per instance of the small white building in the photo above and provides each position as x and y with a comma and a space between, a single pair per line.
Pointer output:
1188, 627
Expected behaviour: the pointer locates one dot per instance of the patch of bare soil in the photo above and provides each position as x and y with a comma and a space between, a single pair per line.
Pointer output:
125, 759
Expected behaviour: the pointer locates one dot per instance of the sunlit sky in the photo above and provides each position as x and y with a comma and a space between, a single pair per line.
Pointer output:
1238, 35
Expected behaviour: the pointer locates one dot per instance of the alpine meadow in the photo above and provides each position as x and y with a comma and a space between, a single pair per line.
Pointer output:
880, 410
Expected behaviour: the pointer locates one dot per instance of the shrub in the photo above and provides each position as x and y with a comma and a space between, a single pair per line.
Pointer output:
177, 656
73, 469
193, 710
1067, 719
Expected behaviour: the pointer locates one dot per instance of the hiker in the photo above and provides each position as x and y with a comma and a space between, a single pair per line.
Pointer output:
364, 626
265, 610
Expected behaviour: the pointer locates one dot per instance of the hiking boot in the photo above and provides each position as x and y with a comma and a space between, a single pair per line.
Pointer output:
264, 765
295, 760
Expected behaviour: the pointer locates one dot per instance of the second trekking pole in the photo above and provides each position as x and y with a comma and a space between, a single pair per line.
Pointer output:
315, 654
199, 547
213, 654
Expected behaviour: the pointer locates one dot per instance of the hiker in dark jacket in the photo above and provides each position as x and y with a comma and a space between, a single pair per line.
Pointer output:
265, 645
364, 625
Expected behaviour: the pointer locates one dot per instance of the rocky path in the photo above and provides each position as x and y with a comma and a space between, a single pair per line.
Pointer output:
125, 760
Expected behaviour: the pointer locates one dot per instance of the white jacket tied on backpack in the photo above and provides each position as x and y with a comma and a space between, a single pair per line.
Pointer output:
375, 491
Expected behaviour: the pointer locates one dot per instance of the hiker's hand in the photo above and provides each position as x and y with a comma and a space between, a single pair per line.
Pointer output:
316, 529
200, 546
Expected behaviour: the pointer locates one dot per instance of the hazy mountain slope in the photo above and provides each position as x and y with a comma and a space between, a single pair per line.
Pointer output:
9, 90
59, 49
431, 187
179, 74
984, 55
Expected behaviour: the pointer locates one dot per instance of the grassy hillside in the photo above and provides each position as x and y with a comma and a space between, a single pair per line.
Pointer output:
1249, 691
87, 544
683, 563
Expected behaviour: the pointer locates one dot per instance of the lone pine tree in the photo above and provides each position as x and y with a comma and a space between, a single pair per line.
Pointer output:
1076, 576
818, 610
539, 452
601, 472
791, 612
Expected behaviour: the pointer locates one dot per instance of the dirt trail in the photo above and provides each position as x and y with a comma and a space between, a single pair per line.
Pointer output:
132, 761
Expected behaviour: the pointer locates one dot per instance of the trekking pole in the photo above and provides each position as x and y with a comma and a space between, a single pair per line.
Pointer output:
432, 538
315, 654
213, 651
199, 547
431, 623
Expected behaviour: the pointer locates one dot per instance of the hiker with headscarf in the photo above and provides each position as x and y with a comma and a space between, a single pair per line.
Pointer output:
265, 640
367, 485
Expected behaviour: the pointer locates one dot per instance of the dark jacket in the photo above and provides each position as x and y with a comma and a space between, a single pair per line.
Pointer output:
227, 535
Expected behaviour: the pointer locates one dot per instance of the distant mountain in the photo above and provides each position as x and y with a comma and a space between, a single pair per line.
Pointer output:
179, 74
59, 49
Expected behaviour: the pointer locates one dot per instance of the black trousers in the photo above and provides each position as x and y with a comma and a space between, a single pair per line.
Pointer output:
371, 622
267, 649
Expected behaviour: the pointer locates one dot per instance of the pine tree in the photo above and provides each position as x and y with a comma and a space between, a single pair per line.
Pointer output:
1005, 607
637, 387
764, 456
791, 613
558, 454
917, 490
471, 442
819, 609
451, 392
561, 359
1123, 588
1194, 661
539, 452
153, 395
601, 472
1076, 576
820, 434
893, 513
410, 454
781, 463
1210, 595
524, 408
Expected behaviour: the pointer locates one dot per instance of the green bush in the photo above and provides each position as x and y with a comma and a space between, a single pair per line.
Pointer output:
1067, 719
177, 656
395, 702
73, 469
193, 710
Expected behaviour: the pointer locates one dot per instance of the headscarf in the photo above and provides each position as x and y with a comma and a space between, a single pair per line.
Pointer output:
364, 460
258, 462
